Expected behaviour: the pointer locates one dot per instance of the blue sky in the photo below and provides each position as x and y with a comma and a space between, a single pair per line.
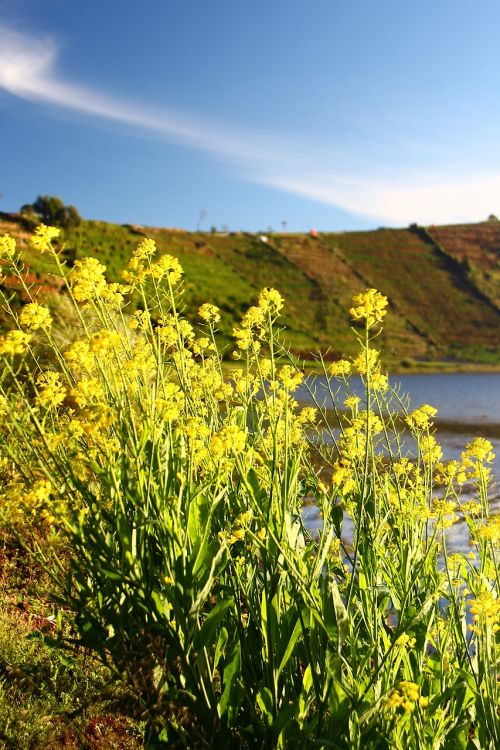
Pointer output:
329, 114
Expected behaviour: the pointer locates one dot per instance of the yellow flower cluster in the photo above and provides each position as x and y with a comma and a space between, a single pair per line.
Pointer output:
449, 472
34, 316
230, 439
140, 268
79, 356
87, 278
38, 494
290, 378
490, 530
485, 609
420, 419
14, 342
270, 301
145, 250
430, 449
170, 404
405, 641
51, 392
369, 306
43, 236
406, 697
480, 450
7, 246
209, 313
167, 267
444, 512
367, 362
251, 329
104, 342
340, 368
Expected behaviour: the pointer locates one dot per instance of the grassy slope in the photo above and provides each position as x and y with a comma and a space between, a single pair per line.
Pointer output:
443, 283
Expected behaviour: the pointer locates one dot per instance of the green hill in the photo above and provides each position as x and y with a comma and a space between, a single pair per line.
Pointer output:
443, 283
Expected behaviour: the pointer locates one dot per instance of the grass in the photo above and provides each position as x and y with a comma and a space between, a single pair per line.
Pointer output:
52, 694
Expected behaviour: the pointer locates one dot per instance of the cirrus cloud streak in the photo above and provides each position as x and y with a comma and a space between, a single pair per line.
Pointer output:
29, 70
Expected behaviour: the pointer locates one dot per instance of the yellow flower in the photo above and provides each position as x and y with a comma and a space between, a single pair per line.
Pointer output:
369, 306
145, 250
14, 342
43, 236
88, 279
253, 318
201, 345
209, 313
270, 300
88, 391
420, 418
167, 267
406, 696
352, 401
471, 508
367, 362
290, 377
380, 382
79, 356
406, 641
228, 439
490, 531
340, 368
307, 415
431, 450
139, 319
38, 495
444, 510
243, 338
7, 246
34, 316
485, 609
105, 341
114, 294
51, 391
169, 405
480, 450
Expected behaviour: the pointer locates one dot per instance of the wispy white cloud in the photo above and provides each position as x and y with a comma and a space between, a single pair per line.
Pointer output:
429, 199
28, 69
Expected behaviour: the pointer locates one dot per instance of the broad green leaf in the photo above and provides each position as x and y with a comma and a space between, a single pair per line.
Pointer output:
206, 634
231, 672
265, 703
297, 631
335, 619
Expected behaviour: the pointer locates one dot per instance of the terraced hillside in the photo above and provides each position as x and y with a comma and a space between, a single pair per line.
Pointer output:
477, 248
443, 282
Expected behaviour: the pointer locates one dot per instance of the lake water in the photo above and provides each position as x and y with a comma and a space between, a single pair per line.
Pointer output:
468, 406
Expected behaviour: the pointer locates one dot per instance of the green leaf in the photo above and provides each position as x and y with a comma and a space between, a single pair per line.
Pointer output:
337, 516
231, 671
206, 634
218, 564
297, 631
457, 739
220, 647
265, 703
335, 619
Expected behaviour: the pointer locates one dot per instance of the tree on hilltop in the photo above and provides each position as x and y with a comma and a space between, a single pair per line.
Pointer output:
51, 210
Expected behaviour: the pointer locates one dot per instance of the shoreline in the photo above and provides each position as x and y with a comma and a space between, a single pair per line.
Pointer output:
419, 368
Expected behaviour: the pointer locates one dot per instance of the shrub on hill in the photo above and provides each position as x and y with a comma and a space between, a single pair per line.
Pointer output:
51, 210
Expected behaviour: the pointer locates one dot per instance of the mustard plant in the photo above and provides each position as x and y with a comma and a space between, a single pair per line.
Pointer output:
170, 490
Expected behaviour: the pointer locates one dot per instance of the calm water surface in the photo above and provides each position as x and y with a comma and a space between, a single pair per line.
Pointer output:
468, 406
